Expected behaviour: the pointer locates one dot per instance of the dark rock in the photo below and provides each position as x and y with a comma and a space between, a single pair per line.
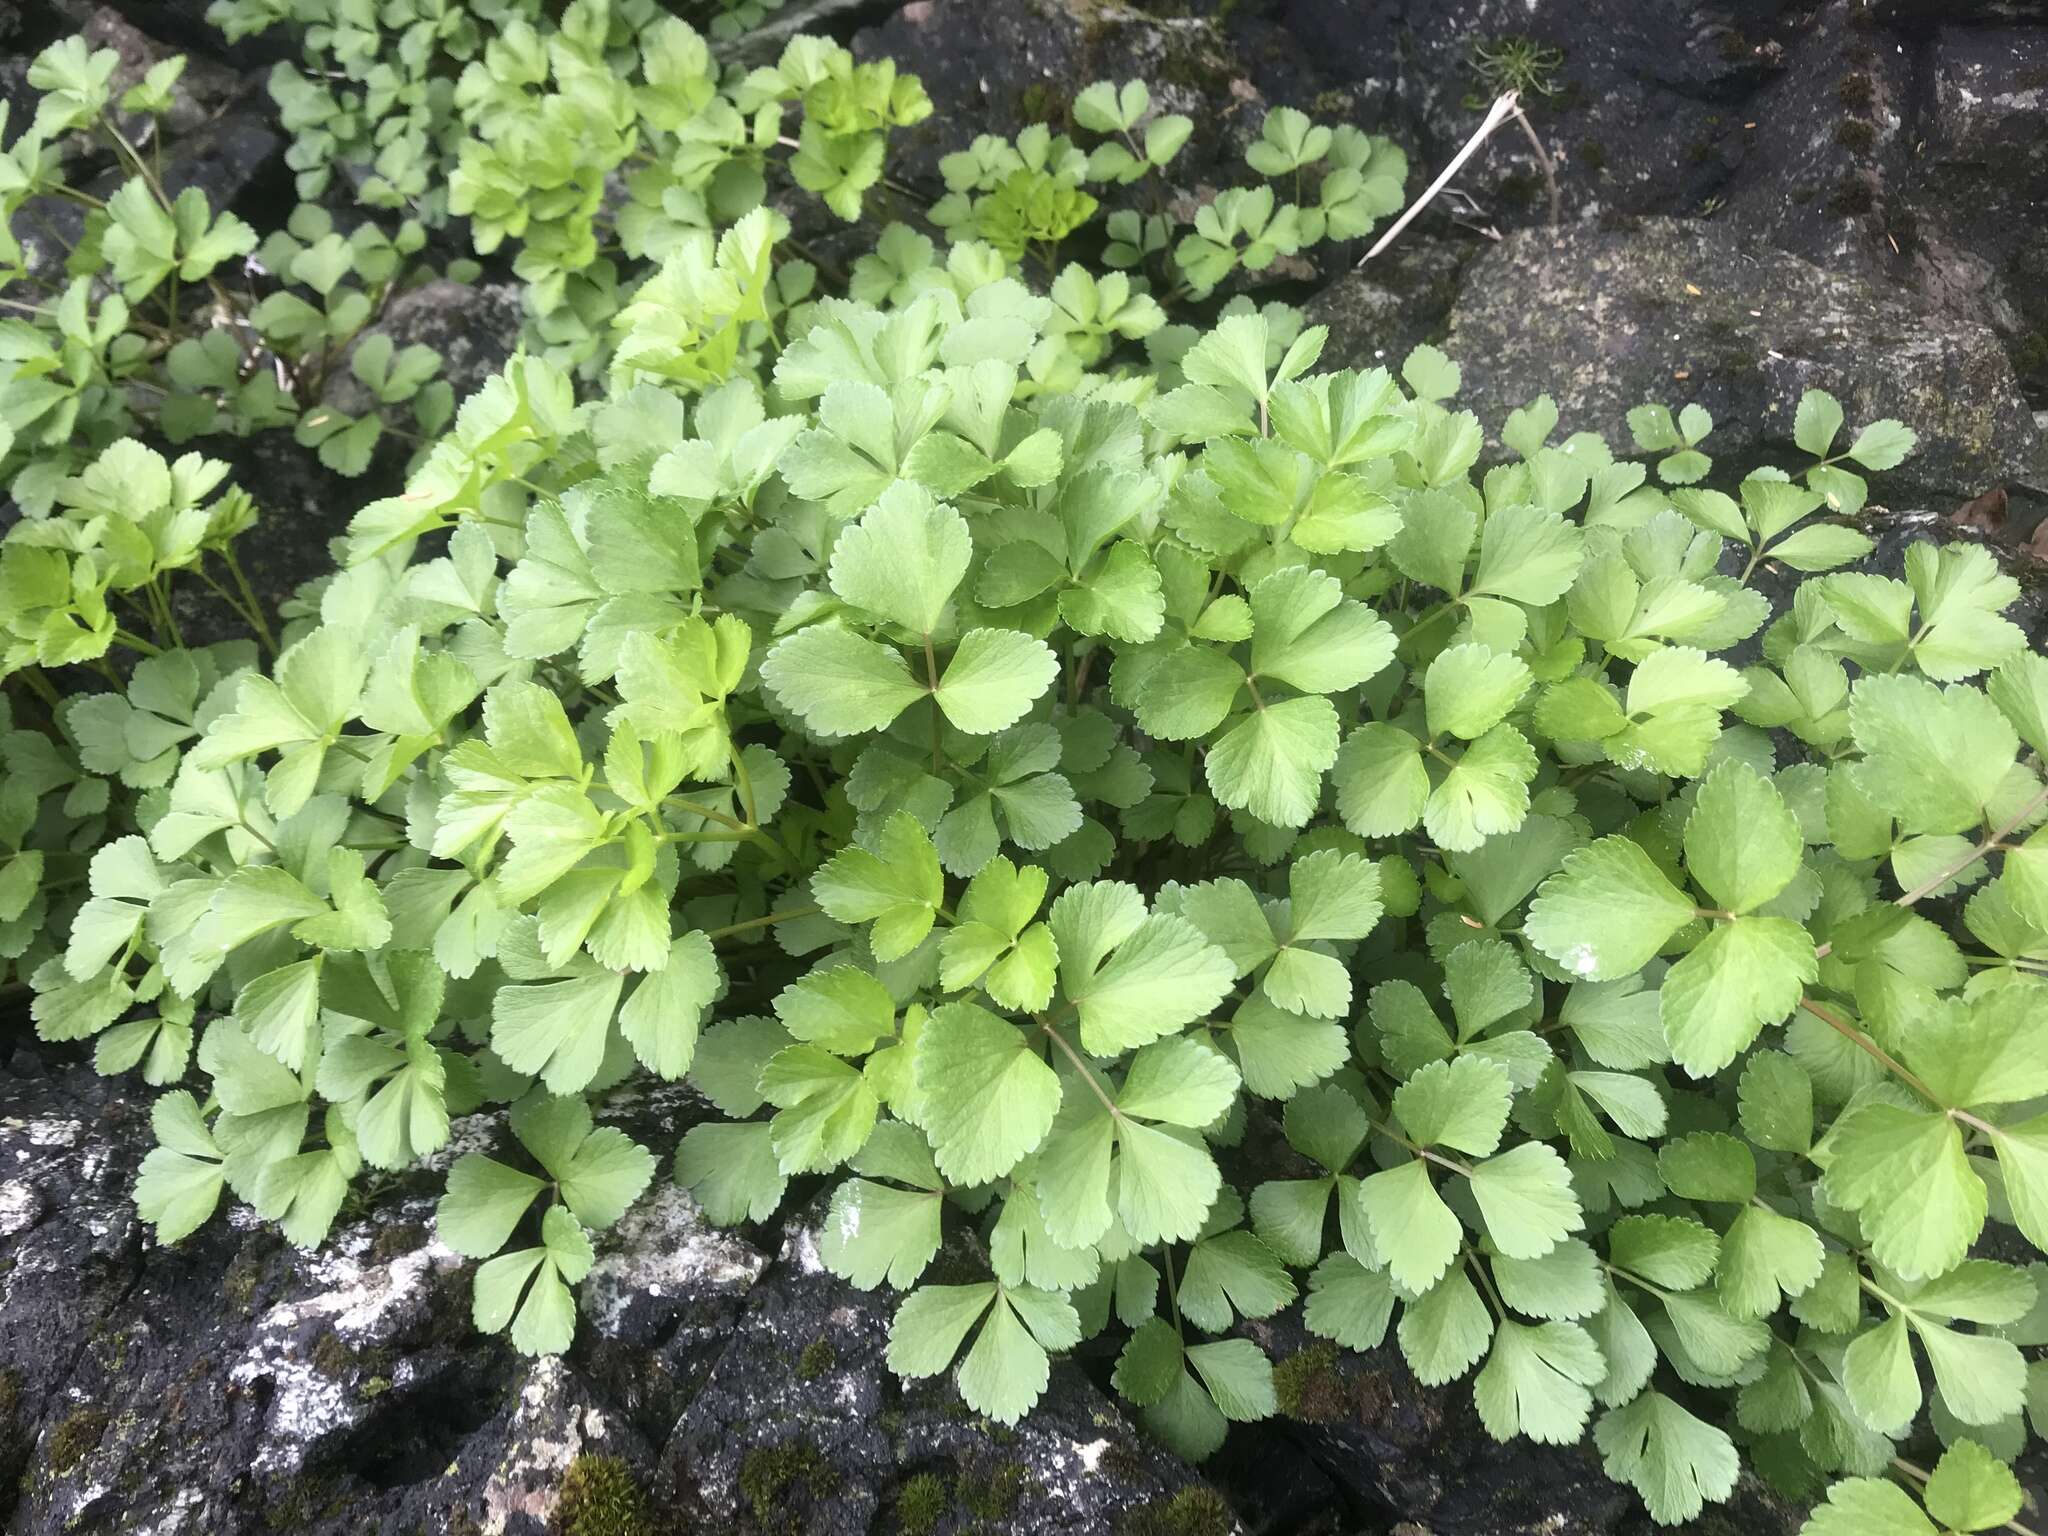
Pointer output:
802, 1428
1678, 311
1639, 105
1420, 1455
234, 1385
1929, 13
996, 68
202, 90
1983, 179
1833, 146
230, 158
1379, 312
473, 326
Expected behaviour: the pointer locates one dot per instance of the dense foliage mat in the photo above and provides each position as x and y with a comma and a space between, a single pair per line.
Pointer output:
1033, 749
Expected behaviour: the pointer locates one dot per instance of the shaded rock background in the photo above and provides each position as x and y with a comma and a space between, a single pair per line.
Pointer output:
1758, 196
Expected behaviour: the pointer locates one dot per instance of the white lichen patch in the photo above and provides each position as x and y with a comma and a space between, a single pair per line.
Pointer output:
363, 1303
548, 1432
664, 1247
801, 1249
20, 1205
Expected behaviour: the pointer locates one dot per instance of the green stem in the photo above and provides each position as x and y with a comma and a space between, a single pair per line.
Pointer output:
761, 922
253, 608
1955, 867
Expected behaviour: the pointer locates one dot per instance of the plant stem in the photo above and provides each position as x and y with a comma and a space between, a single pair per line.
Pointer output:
255, 609
1955, 867
761, 922
1079, 1065
1869, 1047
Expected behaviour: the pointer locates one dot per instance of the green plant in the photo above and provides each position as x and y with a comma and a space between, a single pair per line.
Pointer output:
1517, 64
601, 1497
1028, 196
158, 325
1003, 747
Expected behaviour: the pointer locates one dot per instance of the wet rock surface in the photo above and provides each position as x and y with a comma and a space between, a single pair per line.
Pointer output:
236, 1385
1678, 311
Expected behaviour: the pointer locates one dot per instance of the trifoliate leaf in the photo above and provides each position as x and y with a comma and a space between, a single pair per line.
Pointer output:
896, 884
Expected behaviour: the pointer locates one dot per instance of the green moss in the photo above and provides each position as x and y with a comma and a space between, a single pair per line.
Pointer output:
601, 1497
1122, 1462
1852, 196
307, 1502
238, 1283
331, 1357
770, 1474
818, 1357
1855, 92
1307, 1386
990, 1494
2029, 355
1592, 155
1852, 133
10, 1396
1040, 102
1193, 1511
76, 1436
397, 1240
919, 1504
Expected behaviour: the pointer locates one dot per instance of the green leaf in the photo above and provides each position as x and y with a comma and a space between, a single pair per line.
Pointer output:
1461, 1103
993, 679
1132, 978
1676, 1462
1905, 1173
1867, 1506
1535, 1382
733, 1170
1308, 636
556, 1030
1444, 1333
1933, 758
1883, 445
1411, 1225
989, 1098
828, 1108
1607, 912
1525, 1198
1349, 1303
1742, 843
1272, 762
1674, 1252
1745, 974
1232, 1270
902, 561
1817, 421
896, 884
1006, 1369
181, 1178
1470, 689
874, 1232
1765, 1258
840, 683
1972, 1490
